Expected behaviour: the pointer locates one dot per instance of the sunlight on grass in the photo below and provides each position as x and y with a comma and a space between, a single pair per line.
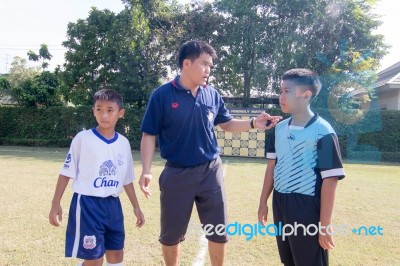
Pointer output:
368, 196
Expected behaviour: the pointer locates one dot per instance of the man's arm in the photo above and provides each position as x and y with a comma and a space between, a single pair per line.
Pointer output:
266, 192
55, 215
327, 202
235, 125
130, 192
147, 147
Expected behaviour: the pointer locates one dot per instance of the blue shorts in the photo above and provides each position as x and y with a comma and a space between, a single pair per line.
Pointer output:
95, 225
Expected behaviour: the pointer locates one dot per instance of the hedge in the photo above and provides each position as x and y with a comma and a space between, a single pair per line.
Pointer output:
56, 126
372, 135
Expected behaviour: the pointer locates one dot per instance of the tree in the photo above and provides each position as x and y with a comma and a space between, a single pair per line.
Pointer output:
263, 38
31, 88
43, 55
20, 71
113, 50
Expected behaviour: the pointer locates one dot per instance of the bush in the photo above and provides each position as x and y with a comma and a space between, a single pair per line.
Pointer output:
375, 135
56, 126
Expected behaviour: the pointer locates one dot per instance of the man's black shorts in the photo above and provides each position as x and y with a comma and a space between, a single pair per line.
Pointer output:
182, 187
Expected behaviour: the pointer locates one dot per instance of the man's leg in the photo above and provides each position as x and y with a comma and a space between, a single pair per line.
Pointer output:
217, 253
177, 198
211, 207
171, 254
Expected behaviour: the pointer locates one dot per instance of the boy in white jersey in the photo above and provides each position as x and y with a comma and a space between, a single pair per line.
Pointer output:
100, 163
304, 166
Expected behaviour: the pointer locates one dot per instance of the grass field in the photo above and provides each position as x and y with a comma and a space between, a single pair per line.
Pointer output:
369, 196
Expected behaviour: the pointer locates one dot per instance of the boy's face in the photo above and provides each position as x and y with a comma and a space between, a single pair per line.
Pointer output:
293, 98
199, 69
107, 113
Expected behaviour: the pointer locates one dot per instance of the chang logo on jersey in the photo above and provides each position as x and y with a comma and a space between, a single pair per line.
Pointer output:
107, 168
106, 173
67, 161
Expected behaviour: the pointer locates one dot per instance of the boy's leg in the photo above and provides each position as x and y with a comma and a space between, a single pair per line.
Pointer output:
115, 232
284, 249
85, 229
305, 247
114, 257
98, 262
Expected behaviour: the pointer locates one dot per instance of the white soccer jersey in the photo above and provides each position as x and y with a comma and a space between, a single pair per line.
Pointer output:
99, 167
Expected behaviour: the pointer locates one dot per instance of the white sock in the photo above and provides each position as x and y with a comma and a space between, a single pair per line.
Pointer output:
79, 264
114, 264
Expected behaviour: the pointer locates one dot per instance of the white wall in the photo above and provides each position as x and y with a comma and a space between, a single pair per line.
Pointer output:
390, 100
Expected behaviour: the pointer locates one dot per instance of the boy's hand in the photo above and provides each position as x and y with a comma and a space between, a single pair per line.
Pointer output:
326, 239
55, 215
139, 216
144, 183
263, 213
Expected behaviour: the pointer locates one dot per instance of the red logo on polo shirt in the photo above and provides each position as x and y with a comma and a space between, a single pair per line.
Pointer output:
175, 105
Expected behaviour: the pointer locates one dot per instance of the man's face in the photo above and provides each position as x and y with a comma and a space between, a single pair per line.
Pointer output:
199, 69
293, 98
107, 113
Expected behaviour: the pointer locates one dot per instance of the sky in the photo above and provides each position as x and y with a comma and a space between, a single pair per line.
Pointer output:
25, 24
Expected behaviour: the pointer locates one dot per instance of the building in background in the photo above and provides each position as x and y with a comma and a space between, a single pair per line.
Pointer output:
388, 88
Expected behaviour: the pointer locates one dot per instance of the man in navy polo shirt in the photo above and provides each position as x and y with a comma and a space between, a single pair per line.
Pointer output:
183, 113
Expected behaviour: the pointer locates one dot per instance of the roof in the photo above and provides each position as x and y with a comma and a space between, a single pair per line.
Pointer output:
390, 76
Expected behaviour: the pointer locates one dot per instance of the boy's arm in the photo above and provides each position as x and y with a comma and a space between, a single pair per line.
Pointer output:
147, 147
331, 168
55, 215
266, 192
130, 192
327, 202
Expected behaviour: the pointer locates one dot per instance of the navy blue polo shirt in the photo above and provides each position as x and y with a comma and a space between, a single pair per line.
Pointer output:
184, 123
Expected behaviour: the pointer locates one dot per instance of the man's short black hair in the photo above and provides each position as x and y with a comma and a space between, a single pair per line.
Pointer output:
304, 77
193, 49
108, 95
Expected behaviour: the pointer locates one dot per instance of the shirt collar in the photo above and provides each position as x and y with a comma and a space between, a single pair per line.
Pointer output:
177, 85
312, 120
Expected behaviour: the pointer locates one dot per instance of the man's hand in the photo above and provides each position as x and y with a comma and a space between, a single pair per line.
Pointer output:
139, 217
55, 215
265, 121
144, 183
263, 213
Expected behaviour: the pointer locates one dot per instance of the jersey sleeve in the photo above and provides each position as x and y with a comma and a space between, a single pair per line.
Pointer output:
70, 167
270, 145
223, 114
329, 158
130, 175
152, 120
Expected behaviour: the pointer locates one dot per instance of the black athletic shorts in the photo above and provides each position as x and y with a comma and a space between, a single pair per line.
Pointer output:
299, 250
180, 188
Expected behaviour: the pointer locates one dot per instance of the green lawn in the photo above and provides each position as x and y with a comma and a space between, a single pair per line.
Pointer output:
369, 196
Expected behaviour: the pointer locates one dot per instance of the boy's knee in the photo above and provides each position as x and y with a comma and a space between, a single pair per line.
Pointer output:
114, 257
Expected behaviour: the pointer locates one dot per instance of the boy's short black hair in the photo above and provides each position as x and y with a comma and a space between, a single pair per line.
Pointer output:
108, 95
304, 77
193, 49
